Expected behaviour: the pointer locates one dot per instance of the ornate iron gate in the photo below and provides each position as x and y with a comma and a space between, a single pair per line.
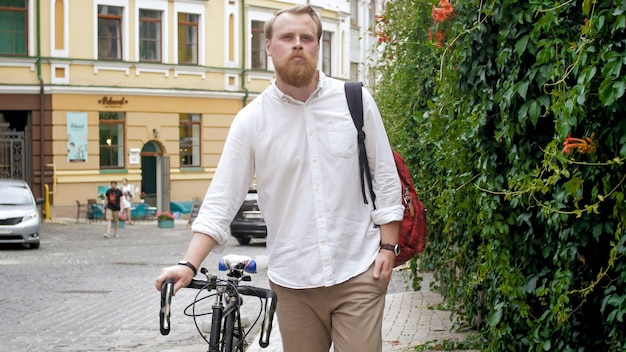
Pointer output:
12, 156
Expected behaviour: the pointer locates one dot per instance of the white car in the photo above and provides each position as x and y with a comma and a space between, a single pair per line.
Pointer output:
20, 221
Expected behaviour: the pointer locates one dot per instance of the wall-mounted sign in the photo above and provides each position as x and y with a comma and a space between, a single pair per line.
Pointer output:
133, 156
76, 137
110, 102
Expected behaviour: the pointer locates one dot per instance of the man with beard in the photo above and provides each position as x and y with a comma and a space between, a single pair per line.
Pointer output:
330, 255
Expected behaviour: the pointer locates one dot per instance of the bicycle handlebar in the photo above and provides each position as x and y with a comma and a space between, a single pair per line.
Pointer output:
270, 304
167, 291
270, 308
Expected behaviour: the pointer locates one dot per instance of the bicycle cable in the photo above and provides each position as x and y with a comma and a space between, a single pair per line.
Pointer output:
230, 287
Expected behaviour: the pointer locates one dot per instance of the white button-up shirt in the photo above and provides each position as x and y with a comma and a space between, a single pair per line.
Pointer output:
305, 157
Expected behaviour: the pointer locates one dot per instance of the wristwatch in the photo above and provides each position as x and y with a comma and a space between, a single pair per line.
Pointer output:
391, 247
189, 265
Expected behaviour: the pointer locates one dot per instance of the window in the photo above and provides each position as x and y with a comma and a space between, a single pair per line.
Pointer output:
150, 35
187, 38
259, 57
13, 27
354, 13
111, 140
354, 71
109, 32
189, 139
326, 52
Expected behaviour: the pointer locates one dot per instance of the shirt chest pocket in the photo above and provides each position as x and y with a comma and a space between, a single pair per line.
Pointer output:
342, 138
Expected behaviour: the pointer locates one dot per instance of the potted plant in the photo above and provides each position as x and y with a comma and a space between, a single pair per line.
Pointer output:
142, 196
165, 219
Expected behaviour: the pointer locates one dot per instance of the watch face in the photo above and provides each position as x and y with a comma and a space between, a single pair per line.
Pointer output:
396, 249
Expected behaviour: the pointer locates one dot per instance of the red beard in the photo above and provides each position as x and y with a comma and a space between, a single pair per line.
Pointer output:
297, 73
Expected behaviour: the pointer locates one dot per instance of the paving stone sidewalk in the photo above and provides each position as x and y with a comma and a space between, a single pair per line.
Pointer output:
410, 319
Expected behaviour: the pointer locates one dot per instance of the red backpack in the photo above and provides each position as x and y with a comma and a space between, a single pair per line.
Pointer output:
413, 228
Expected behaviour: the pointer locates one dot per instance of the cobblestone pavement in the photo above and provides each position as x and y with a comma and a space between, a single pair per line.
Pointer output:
83, 292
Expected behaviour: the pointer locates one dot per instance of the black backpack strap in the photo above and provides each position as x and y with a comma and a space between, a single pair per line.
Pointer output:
354, 96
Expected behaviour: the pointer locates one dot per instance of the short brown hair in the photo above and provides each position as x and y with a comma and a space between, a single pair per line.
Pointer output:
296, 10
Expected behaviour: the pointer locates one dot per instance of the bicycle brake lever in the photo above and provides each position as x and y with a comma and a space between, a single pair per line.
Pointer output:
167, 291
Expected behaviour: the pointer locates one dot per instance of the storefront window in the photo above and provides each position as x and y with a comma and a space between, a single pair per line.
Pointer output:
111, 140
189, 140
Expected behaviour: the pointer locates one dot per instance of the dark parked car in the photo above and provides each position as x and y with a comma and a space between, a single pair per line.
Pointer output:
248, 223
19, 216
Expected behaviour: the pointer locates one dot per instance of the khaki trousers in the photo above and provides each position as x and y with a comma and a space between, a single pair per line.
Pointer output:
348, 315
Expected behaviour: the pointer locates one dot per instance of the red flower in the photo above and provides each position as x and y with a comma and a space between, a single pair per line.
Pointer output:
440, 14
584, 146
438, 35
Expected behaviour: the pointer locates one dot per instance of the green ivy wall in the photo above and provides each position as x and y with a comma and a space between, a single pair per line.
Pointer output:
512, 116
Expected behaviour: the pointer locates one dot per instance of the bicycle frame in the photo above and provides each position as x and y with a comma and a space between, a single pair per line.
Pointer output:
231, 339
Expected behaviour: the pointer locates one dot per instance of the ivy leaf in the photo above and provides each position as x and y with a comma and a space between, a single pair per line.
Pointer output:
521, 45
534, 110
523, 110
531, 284
521, 88
495, 316
547, 345
587, 74
587, 7
597, 231
610, 91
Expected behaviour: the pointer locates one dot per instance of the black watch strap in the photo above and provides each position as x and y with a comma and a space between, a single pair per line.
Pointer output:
395, 248
189, 265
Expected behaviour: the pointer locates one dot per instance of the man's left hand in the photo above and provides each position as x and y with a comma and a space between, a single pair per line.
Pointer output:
384, 264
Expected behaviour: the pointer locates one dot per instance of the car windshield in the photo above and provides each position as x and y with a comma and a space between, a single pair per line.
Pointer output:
14, 196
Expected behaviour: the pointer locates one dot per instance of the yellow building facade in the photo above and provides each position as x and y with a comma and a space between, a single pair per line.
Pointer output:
101, 90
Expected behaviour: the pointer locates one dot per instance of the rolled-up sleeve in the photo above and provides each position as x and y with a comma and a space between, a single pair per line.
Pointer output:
385, 179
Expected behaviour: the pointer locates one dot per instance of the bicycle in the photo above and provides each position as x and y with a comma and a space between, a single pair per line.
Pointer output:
227, 333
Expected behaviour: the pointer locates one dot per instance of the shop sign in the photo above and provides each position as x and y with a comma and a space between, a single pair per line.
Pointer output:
112, 103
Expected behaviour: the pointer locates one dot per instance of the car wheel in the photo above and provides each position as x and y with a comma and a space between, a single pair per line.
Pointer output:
243, 240
34, 245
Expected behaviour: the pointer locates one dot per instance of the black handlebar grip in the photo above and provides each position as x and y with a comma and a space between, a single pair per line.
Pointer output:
197, 284
167, 291
266, 328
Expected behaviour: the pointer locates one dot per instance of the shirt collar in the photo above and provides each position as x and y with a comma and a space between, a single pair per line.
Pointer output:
321, 83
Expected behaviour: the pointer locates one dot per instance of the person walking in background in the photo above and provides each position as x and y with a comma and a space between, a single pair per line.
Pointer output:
127, 191
330, 256
112, 199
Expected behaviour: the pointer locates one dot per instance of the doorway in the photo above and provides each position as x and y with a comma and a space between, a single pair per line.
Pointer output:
14, 150
149, 153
